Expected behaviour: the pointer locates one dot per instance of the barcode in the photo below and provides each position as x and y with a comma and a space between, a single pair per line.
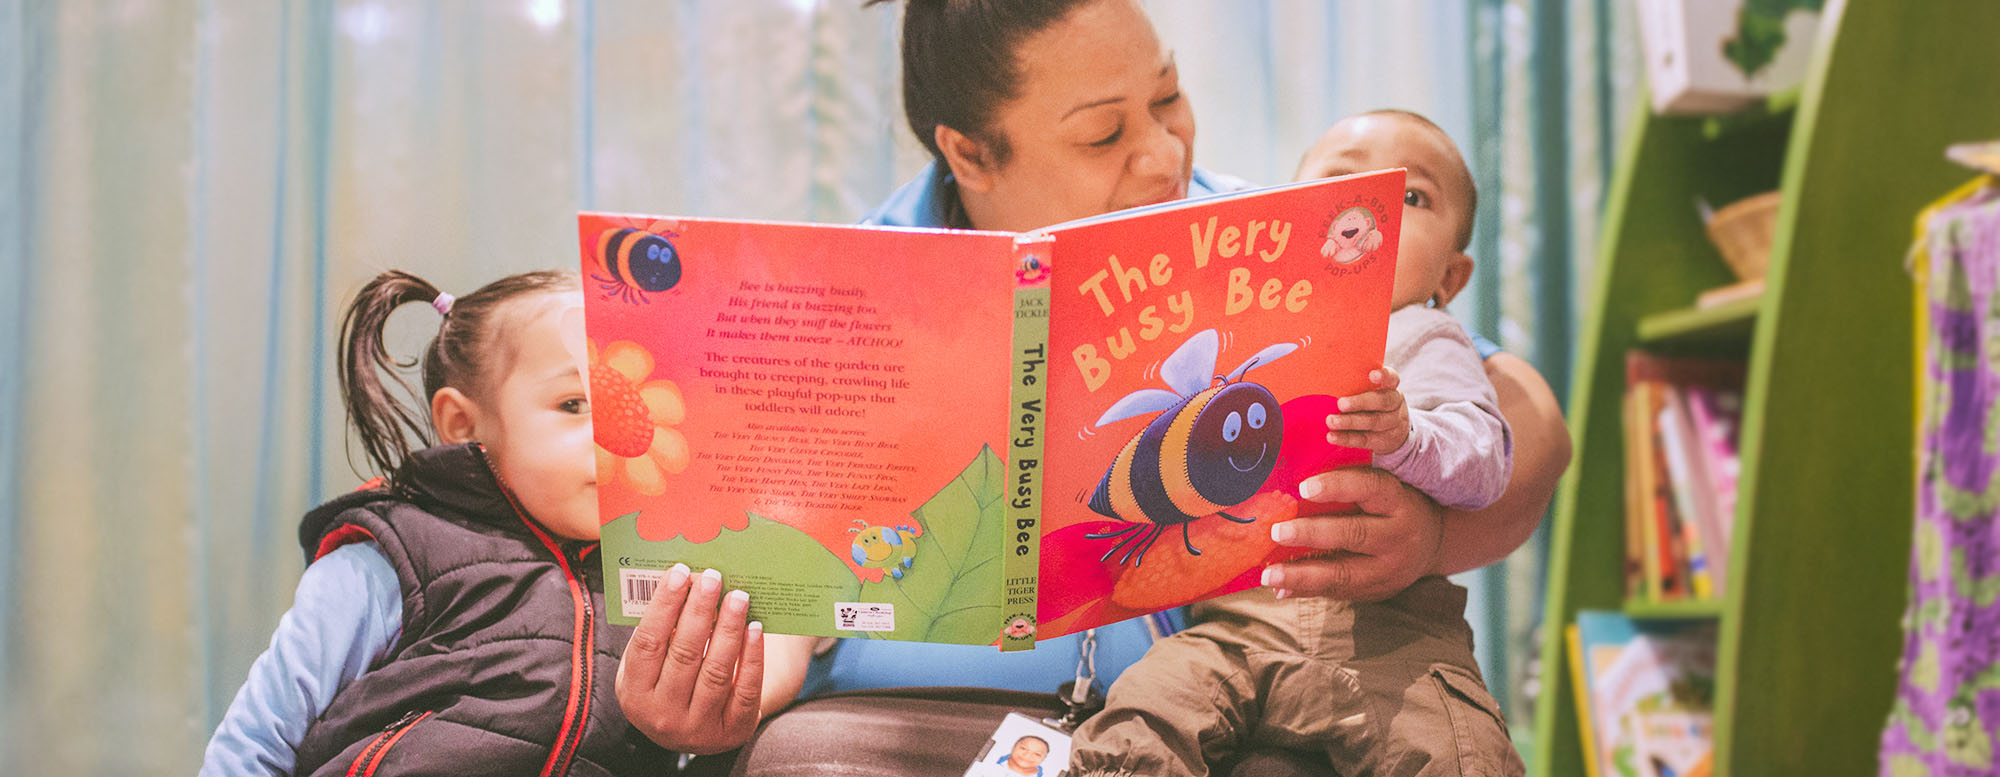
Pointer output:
636, 587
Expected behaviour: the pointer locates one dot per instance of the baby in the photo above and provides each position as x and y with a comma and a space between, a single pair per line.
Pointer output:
1385, 687
1434, 420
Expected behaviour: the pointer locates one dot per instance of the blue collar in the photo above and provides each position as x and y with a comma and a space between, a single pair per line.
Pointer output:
928, 199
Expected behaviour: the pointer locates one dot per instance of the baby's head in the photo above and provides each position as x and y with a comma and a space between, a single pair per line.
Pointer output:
1431, 264
500, 372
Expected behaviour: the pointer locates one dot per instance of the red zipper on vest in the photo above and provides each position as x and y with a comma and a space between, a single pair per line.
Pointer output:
370, 758
583, 640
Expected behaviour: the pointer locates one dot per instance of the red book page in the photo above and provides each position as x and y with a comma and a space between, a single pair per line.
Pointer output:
1172, 303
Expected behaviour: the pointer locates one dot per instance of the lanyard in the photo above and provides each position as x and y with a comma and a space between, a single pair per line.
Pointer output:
1080, 697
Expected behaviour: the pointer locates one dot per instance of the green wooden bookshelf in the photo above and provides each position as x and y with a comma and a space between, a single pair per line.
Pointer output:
1809, 634
1720, 328
1673, 608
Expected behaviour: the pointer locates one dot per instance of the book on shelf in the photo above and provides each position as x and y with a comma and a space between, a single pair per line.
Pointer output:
1681, 456
1693, 498
1579, 675
1647, 691
1649, 516
978, 437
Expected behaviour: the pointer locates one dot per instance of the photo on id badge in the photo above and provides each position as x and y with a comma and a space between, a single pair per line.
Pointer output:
1022, 747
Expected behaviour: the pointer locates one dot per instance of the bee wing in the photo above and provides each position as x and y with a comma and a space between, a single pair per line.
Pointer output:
1139, 403
1191, 366
1263, 357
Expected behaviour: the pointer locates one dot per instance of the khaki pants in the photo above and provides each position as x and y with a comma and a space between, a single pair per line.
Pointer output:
1384, 688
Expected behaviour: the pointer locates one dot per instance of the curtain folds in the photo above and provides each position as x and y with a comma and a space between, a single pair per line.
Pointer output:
190, 189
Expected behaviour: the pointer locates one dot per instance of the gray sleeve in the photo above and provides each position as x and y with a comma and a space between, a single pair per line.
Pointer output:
1460, 451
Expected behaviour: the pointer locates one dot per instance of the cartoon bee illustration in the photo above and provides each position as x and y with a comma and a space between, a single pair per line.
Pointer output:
1031, 270
880, 547
1214, 444
635, 262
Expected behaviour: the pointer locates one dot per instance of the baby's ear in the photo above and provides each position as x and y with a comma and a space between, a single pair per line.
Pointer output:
1457, 273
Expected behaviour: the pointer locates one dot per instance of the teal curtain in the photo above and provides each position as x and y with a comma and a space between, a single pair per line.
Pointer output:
190, 189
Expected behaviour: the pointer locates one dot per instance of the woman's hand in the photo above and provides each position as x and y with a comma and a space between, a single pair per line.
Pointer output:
692, 679
1393, 536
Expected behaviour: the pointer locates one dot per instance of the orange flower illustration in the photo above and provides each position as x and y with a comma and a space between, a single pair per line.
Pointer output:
633, 420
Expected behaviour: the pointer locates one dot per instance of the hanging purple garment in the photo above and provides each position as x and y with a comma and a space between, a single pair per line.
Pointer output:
1947, 708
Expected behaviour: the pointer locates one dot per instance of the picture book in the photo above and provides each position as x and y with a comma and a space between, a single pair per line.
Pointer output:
977, 437
1649, 687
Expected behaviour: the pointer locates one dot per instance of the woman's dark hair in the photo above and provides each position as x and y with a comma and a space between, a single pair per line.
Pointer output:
456, 357
959, 64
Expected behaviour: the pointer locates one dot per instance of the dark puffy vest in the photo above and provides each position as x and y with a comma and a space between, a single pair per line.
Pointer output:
504, 665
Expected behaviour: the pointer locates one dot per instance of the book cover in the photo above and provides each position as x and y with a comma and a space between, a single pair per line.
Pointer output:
1651, 687
977, 437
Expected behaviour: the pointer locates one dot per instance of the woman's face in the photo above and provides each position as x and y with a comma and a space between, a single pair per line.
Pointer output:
1098, 124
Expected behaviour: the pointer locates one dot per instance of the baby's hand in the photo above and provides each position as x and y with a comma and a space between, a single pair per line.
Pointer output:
1377, 420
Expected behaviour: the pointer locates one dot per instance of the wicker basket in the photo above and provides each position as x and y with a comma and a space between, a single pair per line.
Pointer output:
1742, 231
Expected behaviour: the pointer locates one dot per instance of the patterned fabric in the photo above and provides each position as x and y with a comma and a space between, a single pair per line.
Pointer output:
1947, 709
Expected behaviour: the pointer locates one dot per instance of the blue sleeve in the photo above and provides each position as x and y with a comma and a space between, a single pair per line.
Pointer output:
858, 664
1486, 347
346, 614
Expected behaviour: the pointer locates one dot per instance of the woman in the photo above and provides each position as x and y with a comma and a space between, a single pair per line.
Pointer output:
1042, 111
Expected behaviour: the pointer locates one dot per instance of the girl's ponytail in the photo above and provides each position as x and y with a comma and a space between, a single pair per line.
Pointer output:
385, 422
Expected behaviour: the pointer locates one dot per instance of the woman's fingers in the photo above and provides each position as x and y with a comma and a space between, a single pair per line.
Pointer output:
689, 645
717, 678
1351, 577
747, 701
1389, 540
646, 653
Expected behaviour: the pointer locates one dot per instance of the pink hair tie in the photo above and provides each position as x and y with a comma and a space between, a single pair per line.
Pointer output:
443, 303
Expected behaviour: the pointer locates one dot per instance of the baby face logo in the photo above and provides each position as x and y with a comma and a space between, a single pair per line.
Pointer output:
1355, 232
1352, 235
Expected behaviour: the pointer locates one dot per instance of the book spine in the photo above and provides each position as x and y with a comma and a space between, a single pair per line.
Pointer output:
1687, 504
1023, 535
1580, 684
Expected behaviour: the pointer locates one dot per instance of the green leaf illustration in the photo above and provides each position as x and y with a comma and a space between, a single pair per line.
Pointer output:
795, 596
952, 590
1760, 32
